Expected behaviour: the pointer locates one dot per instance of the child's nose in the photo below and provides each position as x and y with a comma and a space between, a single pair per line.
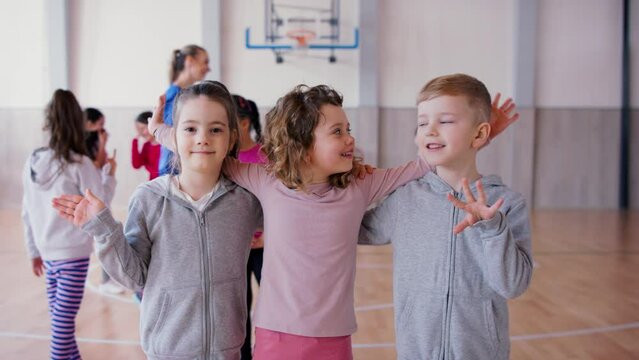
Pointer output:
202, 139
350, 139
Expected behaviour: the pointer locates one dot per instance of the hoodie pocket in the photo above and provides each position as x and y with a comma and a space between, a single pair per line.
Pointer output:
179, 327
472, 329
420, 327
229, 314
491, 328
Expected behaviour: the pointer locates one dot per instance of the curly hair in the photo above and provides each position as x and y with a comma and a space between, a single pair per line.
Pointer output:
288, 136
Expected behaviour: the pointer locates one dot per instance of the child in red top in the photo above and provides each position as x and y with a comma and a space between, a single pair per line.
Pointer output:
149, 156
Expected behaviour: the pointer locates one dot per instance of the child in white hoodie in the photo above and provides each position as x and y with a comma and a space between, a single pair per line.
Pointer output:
55, 247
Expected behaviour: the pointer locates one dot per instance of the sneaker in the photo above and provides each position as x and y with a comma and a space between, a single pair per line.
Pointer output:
110, 288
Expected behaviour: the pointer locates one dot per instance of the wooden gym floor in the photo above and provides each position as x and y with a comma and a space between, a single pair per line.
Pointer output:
583, 302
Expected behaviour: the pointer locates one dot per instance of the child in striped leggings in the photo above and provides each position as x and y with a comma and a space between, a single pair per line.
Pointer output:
56, 248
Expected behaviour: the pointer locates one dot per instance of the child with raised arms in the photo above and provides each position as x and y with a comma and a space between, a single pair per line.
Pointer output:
451, 280
186, 239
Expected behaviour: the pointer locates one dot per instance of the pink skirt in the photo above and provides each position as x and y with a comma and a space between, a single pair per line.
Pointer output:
275, 345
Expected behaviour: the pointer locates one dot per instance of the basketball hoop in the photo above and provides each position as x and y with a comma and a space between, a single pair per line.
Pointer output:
302, 36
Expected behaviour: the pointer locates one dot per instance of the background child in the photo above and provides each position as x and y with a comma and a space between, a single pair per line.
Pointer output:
95, 136
55, 247
313, 207
188, 66
186, 239
95, 139
250, 152
149, 155
451, 284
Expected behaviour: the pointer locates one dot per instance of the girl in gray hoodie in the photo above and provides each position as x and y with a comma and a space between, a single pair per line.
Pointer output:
57, 249
187, 237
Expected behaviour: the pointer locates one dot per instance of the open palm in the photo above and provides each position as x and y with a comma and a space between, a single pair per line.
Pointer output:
476, 209
78, 209
501, 115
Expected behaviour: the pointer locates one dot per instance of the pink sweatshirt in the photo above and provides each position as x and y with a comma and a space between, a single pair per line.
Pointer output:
310, 245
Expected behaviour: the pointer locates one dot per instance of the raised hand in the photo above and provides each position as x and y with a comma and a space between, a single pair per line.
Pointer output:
158, 115
476, 209
78, 209
501, 117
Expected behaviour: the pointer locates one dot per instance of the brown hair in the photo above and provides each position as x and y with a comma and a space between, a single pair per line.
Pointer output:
215, 91
460, 84
179, 59
288, 135
65, 121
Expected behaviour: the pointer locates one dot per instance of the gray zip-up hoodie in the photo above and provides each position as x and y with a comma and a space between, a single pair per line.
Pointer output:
191, 264
46, 234
450, 291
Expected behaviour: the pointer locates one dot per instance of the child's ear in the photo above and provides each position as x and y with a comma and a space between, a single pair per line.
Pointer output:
244, 123
188, 61
481, 136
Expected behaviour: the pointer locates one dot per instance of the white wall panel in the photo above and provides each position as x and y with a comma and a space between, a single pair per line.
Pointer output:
121, 50
420, 40
23, 63
579, 54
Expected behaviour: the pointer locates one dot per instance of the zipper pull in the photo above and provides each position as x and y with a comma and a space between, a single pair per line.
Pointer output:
202, 220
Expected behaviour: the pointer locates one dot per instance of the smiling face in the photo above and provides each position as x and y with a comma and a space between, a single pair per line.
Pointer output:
203, 136
333, 145
447, 131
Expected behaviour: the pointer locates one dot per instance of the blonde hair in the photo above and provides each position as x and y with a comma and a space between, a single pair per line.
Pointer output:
214, 91
460, 84
288, 135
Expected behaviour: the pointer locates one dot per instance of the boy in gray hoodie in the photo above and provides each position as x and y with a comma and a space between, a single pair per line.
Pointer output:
451, 280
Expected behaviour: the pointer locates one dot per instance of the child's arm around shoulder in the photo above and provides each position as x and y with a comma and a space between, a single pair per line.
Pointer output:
250, 176
384, 181
379, 223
